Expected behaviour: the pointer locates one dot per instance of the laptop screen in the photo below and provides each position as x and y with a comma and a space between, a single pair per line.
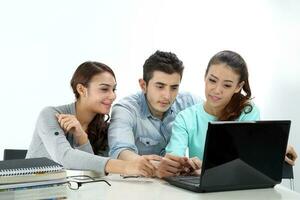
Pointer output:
245, 154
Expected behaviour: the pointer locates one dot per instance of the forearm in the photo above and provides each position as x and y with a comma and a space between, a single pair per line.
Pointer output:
87, 147
128, 155
115, 166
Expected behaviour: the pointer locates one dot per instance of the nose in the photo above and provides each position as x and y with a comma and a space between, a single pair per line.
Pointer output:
112, 95
218, 89
167, 94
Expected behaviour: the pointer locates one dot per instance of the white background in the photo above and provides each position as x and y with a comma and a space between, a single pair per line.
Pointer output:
42, 43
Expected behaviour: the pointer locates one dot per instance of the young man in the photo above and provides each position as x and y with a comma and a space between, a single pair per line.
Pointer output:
141, 124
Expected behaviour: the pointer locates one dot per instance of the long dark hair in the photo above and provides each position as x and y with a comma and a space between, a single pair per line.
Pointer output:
97, 129
239, 102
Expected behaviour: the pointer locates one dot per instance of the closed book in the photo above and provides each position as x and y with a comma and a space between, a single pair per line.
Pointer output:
34, 171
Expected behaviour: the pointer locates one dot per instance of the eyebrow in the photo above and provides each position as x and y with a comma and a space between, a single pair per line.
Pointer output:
160, 83
218, 78
108, 85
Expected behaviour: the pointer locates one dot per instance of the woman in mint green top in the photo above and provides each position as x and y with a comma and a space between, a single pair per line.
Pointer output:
228, 98
189, 129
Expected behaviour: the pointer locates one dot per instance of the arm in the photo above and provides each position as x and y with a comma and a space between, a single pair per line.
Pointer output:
179, 138
128, 155
56, 144
175, 162
121, 132
121, 140
70, 124
127, 167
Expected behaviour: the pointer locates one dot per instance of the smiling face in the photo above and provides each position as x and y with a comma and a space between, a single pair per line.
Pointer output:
100, 93
161, 91
221, 83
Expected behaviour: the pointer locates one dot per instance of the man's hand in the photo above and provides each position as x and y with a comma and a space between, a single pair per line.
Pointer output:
170, 166
291, 155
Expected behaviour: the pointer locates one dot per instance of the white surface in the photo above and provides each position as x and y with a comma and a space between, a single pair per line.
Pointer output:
143, 188
42, 42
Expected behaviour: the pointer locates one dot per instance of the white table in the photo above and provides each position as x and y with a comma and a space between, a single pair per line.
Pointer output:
144, 189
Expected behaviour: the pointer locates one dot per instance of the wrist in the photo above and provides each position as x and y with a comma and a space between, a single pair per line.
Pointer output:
81, 139
116, 166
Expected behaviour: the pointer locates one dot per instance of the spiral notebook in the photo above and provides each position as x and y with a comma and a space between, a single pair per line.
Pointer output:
30, 172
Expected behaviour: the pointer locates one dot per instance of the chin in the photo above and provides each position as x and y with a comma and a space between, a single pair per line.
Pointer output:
163, 109
103, 111
214, 104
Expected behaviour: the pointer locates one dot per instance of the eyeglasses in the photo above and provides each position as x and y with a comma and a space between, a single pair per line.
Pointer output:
129, 176
77, 181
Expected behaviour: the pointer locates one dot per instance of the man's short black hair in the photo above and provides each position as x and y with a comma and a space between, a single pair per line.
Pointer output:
166, 62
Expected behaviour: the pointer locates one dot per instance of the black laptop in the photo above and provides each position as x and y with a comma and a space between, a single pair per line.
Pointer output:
240, 155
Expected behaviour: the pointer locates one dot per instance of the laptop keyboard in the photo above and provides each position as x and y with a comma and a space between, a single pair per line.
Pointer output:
195, 180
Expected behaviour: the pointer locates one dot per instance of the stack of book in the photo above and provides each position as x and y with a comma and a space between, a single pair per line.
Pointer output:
30, 172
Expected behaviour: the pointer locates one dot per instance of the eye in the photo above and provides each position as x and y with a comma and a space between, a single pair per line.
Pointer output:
212, 80
104, 89
227, 86
174, 88
159, 86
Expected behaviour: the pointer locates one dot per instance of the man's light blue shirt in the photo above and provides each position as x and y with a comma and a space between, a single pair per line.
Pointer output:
134, 128
190, 126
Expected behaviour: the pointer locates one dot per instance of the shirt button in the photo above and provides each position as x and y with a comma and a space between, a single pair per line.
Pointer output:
56, 133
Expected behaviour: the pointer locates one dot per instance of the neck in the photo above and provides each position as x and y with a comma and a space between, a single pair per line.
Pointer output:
155, 113
215, 111
83, 115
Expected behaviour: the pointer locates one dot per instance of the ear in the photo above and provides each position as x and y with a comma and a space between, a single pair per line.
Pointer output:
239, 87
143, 85
82, 90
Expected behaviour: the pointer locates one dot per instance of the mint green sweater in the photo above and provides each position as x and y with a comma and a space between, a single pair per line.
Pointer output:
190, 126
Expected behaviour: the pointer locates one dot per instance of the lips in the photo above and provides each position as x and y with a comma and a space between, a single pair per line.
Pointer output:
164, 103
106, 104
214, 98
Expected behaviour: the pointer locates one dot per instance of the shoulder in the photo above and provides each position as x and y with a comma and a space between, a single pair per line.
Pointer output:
134, 101
251, 108
48, 111
250, 112
188, 97
185, 100
131, 100
190, 112
129, 105
52, 110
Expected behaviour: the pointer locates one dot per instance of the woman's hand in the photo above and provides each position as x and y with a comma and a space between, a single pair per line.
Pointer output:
192, 166
170, 165
143, 166
70, 124
291, 155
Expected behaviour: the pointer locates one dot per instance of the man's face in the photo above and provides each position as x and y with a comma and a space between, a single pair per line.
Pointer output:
161, 91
